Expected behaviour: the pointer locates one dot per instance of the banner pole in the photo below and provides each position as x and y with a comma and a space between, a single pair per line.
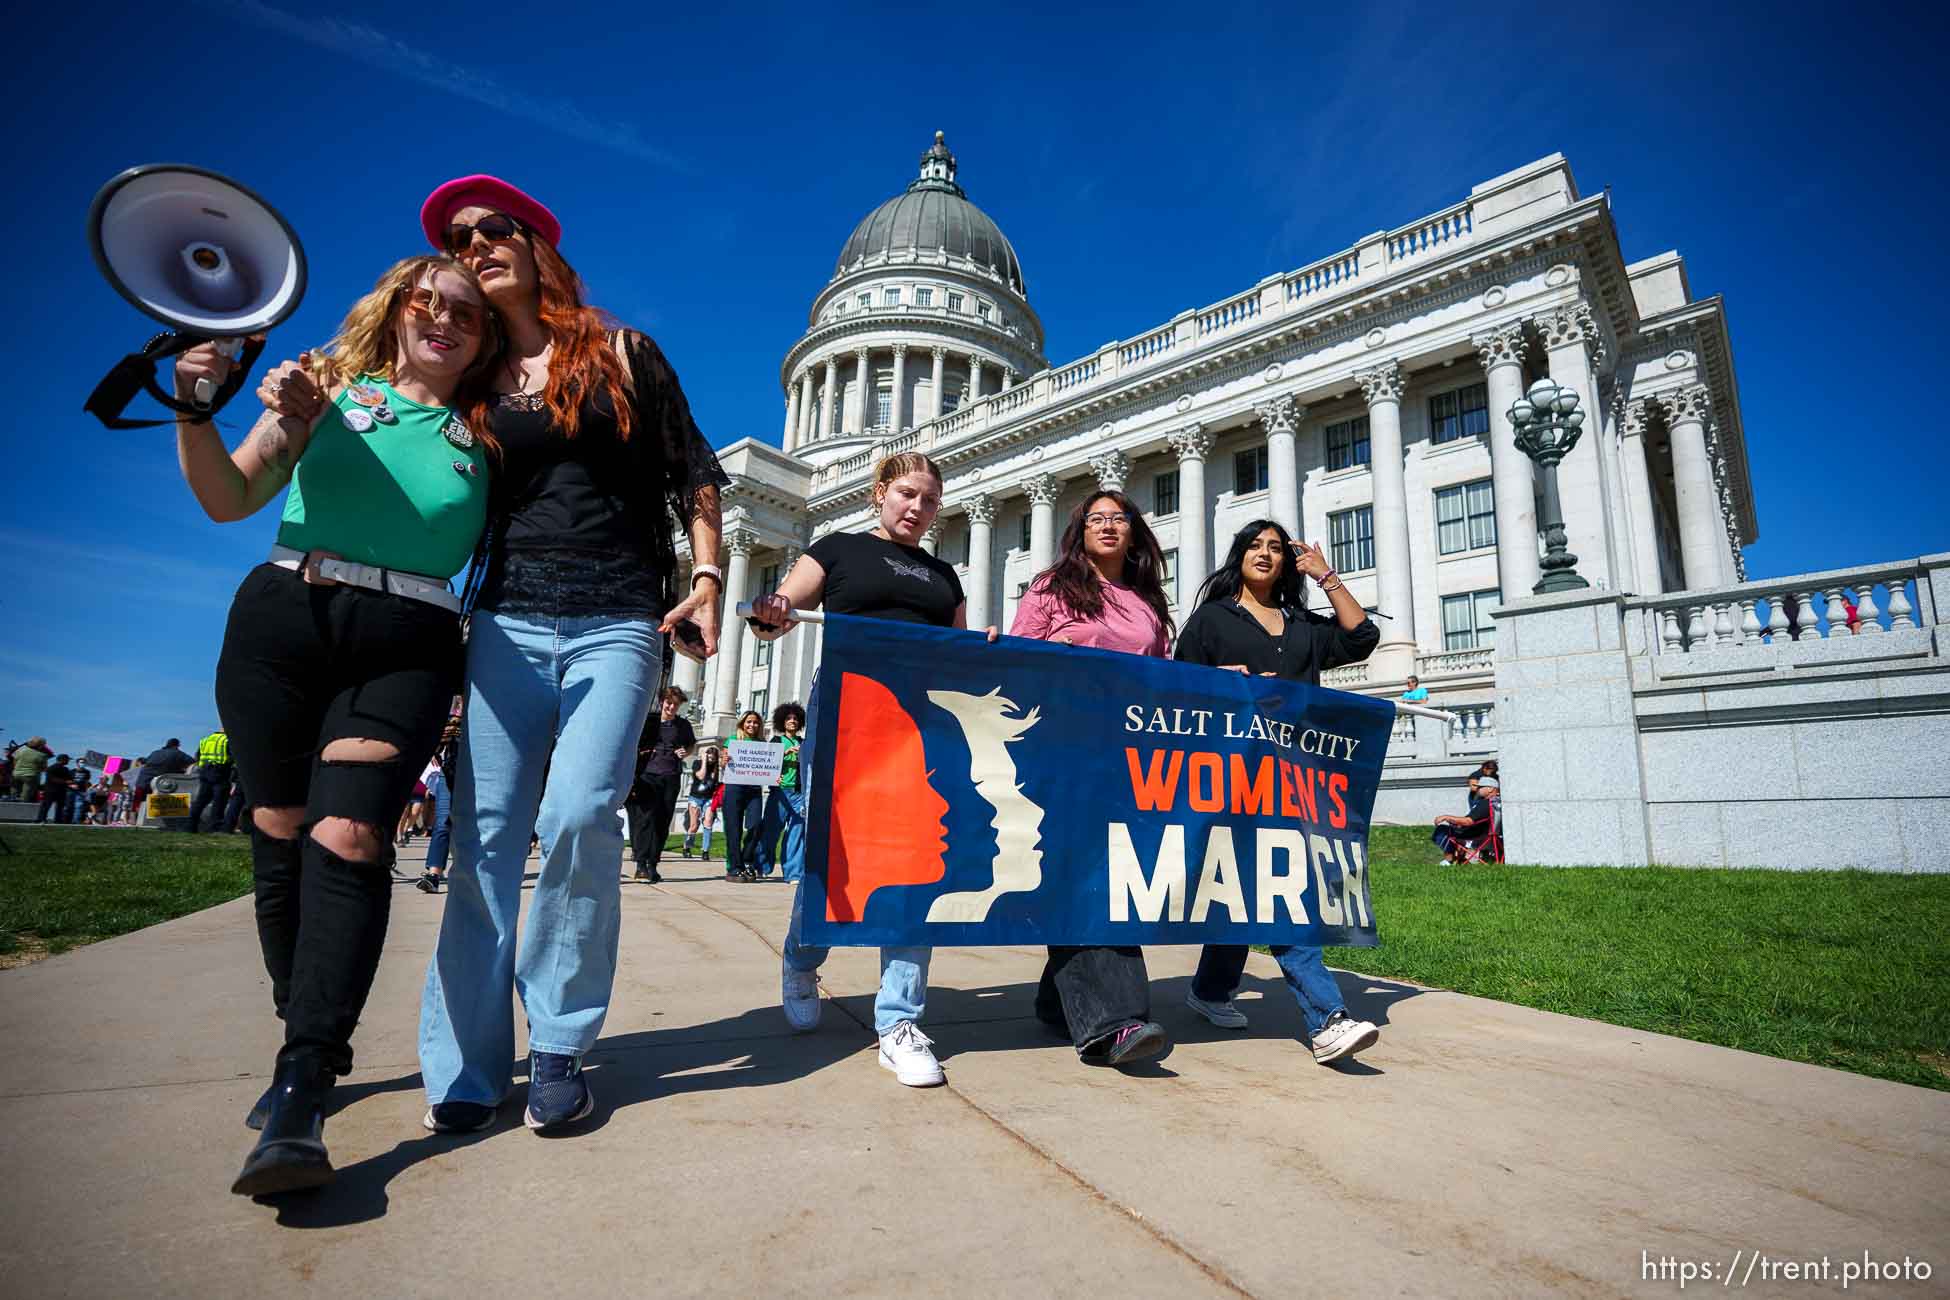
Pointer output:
798, 615
819, 616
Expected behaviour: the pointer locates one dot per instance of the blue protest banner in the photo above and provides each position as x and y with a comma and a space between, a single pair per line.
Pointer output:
964, 794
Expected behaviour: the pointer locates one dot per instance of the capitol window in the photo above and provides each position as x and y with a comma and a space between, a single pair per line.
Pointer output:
1350, 538
1466, 621
1168, 578
1164, 493
1461, 413
1026, 525
883, 407
1465, 517
1249, 471
866, 302
924, 297
893, 297
1347, 443
954, 302
982, 310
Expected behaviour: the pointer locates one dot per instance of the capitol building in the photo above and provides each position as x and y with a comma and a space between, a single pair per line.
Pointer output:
1360, 400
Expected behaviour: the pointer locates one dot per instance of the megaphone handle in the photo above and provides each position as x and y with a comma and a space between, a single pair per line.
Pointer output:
206, 389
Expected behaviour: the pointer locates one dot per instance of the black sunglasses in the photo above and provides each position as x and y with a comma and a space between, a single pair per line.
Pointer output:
495, 227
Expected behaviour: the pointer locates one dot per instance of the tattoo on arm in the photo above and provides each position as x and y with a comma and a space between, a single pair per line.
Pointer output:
274, 447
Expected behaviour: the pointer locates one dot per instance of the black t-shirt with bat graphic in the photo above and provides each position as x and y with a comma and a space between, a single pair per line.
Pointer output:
871, 577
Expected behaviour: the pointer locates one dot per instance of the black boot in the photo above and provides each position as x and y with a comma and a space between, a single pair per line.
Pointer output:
291, 1157
276, 868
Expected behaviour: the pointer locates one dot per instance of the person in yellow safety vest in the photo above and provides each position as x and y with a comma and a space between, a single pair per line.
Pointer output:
212, 776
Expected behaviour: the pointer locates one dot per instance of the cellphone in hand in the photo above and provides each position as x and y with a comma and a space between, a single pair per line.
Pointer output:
687, 638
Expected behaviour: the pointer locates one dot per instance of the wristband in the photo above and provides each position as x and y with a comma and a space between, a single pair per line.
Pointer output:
707, 570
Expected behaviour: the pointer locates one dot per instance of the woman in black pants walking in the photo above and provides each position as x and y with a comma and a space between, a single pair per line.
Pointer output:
343, 652
743, 805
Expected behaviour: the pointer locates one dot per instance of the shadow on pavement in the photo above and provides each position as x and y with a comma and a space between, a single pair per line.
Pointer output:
750, 1050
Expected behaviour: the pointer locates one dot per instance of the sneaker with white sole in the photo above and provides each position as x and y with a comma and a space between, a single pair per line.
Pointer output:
1223, 1014
904, 1049
1343, 1036
799, 995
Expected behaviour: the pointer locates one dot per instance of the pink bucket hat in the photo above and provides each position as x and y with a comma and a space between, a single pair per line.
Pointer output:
488, 192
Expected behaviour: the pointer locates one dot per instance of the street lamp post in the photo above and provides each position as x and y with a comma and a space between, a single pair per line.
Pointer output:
1547, 423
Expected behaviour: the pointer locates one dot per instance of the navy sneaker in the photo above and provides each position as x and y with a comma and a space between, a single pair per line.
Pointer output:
558, 1095
457, 1117
260, 1112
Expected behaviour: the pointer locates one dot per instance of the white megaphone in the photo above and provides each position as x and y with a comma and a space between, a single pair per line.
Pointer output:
203, 255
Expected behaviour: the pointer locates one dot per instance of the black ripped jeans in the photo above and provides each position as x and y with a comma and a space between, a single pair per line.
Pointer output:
1093, 992
302, 666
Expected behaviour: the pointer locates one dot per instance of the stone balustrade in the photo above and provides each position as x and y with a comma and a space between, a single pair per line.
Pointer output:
1347, 678
1235, 311
1455, 663
1452, 226
1779, 613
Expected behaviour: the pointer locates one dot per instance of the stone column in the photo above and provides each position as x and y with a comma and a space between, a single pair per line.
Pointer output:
739, 542
1009, 378
1701, 537
1574, 346
1043, 490
833, 403
897, 418
1193, 444
1282, 417
931, 539
974, 378
1112, 468
786, 438
806, 412
1513, 481
981, 554
863, 380
1638, 499
940, 398
1394, 658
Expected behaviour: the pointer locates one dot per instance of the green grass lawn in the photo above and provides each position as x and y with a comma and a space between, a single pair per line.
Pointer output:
1841, 968
63, 887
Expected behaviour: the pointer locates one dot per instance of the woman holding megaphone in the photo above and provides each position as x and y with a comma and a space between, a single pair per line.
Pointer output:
342, 652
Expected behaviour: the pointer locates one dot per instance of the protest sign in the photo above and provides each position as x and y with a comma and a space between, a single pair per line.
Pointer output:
753, 762
968, 793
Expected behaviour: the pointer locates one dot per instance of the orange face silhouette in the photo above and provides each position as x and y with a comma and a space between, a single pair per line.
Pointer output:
886, 826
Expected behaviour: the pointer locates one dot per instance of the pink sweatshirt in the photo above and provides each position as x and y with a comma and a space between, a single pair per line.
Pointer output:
1126, 624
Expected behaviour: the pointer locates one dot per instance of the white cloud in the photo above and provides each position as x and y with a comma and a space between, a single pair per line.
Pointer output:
359, 41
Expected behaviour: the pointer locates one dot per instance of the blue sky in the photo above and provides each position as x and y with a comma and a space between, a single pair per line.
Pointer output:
707, 168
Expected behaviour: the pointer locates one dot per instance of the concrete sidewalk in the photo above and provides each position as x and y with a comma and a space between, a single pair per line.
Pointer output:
1479, 1149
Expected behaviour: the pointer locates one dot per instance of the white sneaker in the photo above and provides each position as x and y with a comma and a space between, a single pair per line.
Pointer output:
1342, 1036
1223, 1014
799, 994
904, 1050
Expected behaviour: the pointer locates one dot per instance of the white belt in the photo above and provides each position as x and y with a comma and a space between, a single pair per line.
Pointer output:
410, 585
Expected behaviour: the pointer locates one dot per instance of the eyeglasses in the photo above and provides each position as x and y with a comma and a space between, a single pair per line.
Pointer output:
1099, 518
496, 227
467, 317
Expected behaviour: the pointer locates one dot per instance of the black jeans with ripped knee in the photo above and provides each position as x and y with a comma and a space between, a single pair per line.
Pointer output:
305, 665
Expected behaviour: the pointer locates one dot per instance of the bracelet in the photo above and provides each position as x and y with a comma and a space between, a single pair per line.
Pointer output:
707, 571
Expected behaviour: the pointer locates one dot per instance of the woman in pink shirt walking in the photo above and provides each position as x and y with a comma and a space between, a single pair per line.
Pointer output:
1106, 590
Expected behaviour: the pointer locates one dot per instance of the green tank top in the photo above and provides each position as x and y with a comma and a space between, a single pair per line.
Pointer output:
399, 494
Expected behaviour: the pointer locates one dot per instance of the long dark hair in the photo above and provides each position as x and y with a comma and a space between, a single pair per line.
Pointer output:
1073, 579
1289, 585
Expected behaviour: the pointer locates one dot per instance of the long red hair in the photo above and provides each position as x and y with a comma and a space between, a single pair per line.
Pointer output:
584, 361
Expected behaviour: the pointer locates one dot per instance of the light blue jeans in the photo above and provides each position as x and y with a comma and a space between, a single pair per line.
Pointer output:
569, 696
903, 971
785, 811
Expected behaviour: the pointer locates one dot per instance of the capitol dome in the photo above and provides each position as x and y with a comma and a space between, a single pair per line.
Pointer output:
931, 218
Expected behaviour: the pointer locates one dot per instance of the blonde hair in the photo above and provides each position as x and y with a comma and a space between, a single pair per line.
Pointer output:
368, 339
906, 462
